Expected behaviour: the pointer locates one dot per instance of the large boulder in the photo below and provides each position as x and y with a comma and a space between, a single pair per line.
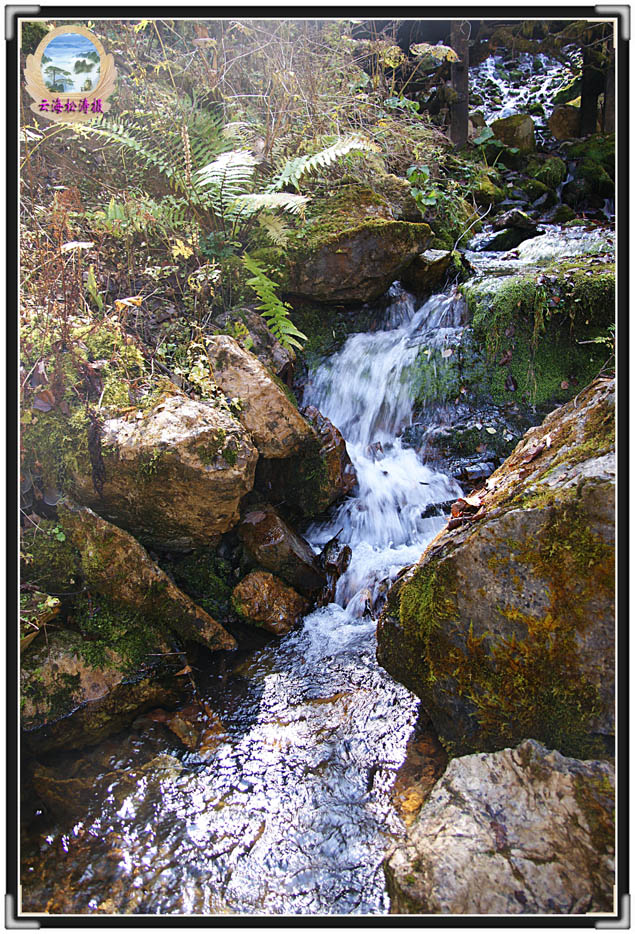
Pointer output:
310, 481
276, 547
263, 599
69, 701
173, 475
521, 831
564, 122
266, 412
516, 131
116, 565
351, 247
506, 626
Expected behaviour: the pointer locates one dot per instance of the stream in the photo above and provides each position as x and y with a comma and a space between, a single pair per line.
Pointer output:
287, 808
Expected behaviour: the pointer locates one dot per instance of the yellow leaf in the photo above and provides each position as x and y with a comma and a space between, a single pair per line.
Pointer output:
181, 249
133, 301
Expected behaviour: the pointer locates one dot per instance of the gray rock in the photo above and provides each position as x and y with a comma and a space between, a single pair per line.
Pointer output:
521, 831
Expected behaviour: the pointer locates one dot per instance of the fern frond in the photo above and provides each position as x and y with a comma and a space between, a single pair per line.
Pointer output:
273, 309
270, 201
304, 165
275, 228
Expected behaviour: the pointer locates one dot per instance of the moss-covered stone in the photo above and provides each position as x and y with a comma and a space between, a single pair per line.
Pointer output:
551, 172
535, 324
350, 248
69, 701
505, 628
48, 559
516, 131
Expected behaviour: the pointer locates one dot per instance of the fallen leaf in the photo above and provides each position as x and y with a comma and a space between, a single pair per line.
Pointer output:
490, 430
44, 401
506, 358
184, 671
564, 384
133, 301
447, 352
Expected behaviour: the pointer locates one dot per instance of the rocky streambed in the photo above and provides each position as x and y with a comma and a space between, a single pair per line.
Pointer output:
254, 630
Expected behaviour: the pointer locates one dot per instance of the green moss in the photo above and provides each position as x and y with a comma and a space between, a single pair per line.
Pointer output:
150, 463
55, 447
551, 172
598, 150
427, 599
47, 559
107, 626
206, 577
541, 320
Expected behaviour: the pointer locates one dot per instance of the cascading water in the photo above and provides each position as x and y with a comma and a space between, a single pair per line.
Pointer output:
291, 812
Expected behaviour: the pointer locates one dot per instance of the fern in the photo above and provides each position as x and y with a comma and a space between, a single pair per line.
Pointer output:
275, 228
227, 177
305, 165
273, 310
269, 201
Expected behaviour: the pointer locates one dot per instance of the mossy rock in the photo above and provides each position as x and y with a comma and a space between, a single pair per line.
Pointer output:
535, 325
516, 131
488, 193
505, 628
69, 701
48, 559
552, 172
350, 248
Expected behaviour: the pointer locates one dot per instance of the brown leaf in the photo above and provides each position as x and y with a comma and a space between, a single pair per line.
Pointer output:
510, 383
564, 384
506, 358
44, 401
184, 671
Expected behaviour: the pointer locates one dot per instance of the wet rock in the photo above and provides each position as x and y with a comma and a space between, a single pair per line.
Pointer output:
319, 475
427, 272
272, 420
174, 475
352, 247
276, 547
66, 702
517, 219
509, 238
516, 131
264, 345
505, 628
334, 559
263, 599
564, 122
116, 565
521, 831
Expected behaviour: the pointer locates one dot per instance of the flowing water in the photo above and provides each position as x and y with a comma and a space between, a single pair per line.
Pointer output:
288, 809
